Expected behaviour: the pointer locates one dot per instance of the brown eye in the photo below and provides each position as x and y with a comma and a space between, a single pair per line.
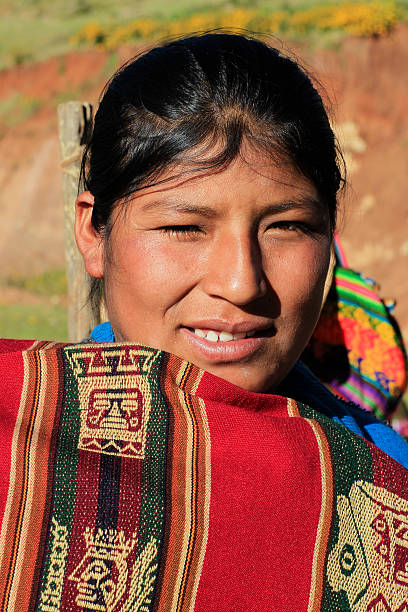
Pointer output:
290, 226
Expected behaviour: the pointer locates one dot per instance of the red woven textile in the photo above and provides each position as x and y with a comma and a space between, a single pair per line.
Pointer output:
132, 480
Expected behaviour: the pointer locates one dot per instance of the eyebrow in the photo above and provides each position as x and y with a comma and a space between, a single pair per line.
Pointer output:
182, 206
301, 203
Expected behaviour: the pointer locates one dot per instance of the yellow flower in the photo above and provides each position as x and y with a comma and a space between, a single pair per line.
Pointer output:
199, 22
237, 19
275, 22
358, 18
91, 33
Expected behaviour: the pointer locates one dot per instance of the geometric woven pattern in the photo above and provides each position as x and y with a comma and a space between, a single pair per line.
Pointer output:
89, 511
133, 480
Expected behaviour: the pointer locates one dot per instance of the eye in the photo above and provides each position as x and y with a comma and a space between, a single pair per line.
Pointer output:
181, 231
290, 226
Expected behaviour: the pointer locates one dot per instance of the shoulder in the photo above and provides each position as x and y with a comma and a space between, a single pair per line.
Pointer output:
12, 363
304, 386
16, 362
8, 345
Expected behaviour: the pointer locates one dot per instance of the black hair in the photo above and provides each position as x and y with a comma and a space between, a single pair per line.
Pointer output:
203, 93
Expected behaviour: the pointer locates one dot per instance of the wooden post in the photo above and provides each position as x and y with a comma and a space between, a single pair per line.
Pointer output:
74, 119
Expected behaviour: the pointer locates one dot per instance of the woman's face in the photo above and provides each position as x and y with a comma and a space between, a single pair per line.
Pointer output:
226, 270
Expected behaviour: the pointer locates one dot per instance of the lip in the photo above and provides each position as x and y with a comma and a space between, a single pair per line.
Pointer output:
233, 350
239, 327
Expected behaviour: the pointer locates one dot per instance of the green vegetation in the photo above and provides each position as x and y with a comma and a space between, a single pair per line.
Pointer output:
32, 30
36, 29
36, 318
370, 18
28, 37
47, 321
50, 282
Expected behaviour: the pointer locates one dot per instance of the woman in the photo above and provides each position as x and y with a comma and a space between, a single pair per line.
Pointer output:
188, 461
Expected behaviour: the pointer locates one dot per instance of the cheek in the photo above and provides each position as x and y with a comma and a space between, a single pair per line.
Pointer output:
151, 269
299, 283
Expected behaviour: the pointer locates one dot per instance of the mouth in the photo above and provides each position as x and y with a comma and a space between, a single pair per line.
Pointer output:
221, 345
213, 335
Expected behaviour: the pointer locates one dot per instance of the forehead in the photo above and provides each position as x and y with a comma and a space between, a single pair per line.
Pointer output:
245, 183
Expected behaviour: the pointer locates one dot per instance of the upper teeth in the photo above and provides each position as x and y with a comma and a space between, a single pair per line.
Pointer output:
214, 336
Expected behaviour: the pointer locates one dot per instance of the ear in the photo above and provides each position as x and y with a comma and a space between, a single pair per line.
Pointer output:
89, 241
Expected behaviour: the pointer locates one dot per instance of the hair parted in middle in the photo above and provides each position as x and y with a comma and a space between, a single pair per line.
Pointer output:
193, 103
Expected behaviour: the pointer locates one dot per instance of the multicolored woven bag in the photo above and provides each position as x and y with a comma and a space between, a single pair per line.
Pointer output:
357, 348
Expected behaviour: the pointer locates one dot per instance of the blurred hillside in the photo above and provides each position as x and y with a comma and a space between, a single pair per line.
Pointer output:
364, 77
32, 30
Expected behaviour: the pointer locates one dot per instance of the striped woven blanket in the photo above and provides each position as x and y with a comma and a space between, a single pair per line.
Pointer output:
133, 480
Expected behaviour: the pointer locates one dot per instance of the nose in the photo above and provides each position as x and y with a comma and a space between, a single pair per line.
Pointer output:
234, 269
